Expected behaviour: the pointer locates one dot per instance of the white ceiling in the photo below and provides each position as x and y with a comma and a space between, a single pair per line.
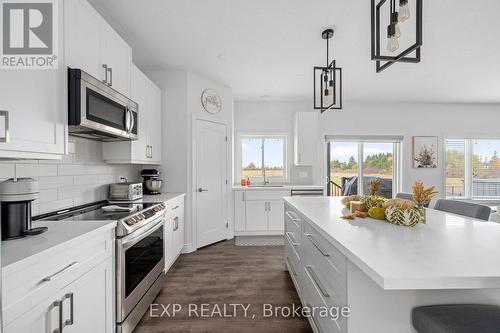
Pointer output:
268, 47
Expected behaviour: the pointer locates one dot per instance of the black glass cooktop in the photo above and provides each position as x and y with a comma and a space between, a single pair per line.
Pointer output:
93, 212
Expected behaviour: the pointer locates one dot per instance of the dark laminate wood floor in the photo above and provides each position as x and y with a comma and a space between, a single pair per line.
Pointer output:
226, 274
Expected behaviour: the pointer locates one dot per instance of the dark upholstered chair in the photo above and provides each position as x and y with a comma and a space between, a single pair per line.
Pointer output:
457, 318
468, 209
407, 196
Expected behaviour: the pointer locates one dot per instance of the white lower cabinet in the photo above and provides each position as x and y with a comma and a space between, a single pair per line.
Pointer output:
174, 230
256, 216
259, 212
318, 271
70, 292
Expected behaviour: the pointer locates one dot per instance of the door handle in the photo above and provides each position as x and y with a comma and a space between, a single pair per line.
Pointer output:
202, 189
110, 70
105, 73
71, 319
127, 120
6, 137
60, 323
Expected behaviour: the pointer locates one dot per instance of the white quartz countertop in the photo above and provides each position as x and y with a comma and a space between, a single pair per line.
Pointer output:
160, 197
60, 232
276, 188
448, 252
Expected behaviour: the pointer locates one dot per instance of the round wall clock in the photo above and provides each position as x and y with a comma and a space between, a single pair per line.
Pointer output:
211, 101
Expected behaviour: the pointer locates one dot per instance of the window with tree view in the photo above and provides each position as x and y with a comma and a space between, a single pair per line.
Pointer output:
473, 168
263, 158
348, 176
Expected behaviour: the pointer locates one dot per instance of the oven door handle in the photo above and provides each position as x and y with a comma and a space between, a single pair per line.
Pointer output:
127, 242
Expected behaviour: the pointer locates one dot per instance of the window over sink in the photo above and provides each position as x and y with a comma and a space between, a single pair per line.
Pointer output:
263, 158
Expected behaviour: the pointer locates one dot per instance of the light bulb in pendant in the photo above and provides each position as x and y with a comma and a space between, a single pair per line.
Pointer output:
404, 10
392, 40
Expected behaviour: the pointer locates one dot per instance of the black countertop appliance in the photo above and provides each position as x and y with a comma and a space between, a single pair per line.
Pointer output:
16, 196
151, 181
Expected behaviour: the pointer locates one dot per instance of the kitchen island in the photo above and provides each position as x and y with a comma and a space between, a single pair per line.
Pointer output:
382, 271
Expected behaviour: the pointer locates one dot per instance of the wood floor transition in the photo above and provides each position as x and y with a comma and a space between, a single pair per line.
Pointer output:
225, 274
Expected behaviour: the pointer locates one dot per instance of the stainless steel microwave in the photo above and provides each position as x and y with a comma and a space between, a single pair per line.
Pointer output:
97, 111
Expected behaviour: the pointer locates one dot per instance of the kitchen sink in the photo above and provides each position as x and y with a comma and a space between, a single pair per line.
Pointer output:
266, 185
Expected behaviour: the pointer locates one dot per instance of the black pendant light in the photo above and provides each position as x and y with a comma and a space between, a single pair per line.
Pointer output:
328, 81
387, 58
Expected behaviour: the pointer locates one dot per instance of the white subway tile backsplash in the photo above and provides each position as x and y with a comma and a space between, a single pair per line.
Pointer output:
35, 170
86, 180
71, 169
7, 170
107, 179
71, 191
55, 182
100, 169
78, 178
47, 195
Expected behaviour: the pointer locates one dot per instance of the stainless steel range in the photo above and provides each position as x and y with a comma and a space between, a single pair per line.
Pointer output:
139, 253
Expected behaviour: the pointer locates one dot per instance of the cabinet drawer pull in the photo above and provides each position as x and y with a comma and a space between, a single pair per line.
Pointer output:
5, 115
71, 319
294, 243
105, 73
60, 324
317, 282
290, 266
110, 76
316, 245
56, 274
293, 218
176, 207
310, 307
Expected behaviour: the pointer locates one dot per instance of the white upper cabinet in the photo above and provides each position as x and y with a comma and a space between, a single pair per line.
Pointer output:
33, 105
118, 58
93, 46
147, 149
155, 121
84, 38
305, 138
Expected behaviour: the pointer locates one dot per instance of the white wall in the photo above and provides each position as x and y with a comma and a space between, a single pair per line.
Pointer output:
181, 99
80, 177
262, 117
406, 119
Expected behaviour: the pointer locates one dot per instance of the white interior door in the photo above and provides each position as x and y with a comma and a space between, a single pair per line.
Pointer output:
211, 187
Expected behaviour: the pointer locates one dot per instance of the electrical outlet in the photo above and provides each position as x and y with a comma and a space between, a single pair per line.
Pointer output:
303, 174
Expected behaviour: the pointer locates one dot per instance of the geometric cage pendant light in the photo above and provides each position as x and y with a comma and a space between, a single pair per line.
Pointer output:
328, 81
390, 53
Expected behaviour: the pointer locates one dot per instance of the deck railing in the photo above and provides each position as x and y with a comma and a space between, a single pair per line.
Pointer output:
488, 188
334, 189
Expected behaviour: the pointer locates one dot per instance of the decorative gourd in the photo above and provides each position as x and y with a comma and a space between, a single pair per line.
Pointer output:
403, 216
399, 202
377, 213
371, 201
